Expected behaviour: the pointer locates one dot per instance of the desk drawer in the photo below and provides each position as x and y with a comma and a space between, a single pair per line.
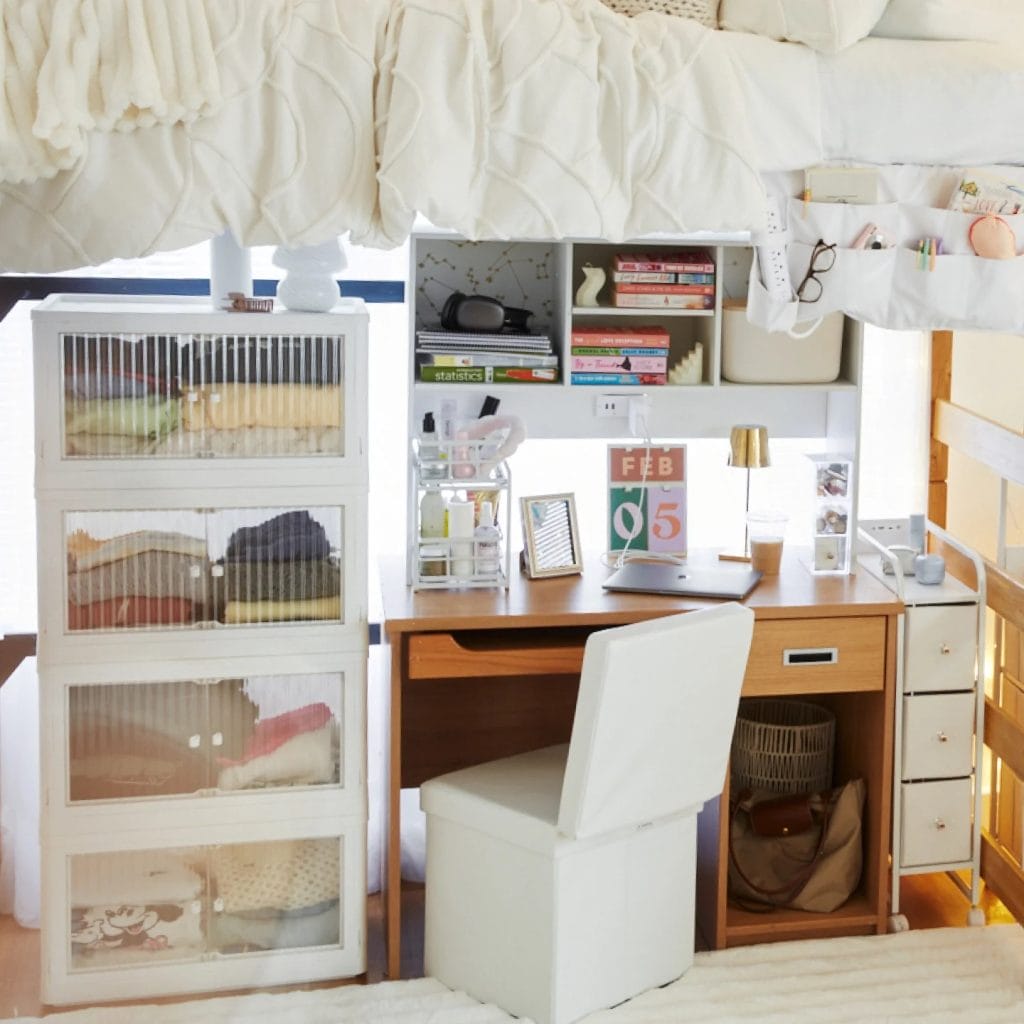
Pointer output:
802, 656
507, 652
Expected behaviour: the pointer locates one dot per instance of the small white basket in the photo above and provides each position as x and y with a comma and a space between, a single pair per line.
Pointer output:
782, 746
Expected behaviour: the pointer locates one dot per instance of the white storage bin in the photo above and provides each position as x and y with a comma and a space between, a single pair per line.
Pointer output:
124, 385
752, 355
125, 917
941, 645
935, 823
938, 735
205, 741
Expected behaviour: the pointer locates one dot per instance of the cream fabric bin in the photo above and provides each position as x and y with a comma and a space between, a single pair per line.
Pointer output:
753, 355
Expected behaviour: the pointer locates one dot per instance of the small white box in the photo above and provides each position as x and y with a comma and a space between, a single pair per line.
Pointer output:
752, 355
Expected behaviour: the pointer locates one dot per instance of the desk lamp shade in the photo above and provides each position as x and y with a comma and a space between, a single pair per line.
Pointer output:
748, 449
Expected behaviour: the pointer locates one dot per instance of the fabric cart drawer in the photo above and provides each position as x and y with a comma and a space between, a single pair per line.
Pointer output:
495, 653
935, 827
803, 656
941, 645
938, 735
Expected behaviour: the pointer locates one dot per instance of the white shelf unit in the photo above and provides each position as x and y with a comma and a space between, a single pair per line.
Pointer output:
543, 277
939, 724
201, 492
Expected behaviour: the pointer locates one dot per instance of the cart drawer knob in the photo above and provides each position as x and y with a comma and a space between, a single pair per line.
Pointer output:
942, 737
945, 649
940, 824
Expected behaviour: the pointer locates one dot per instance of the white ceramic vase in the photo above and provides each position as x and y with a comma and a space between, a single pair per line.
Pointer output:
309, 285
593, 282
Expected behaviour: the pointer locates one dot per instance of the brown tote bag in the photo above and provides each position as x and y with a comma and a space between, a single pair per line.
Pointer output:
803, 852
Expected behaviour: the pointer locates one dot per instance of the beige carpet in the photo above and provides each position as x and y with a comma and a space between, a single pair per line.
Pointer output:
932, 976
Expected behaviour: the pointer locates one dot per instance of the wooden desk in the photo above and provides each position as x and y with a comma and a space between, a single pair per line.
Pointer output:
480, 674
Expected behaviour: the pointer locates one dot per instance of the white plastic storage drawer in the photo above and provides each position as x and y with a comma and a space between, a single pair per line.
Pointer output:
130, 384
935, 824
211, 911
222, 739
938, 735
198, 564
941, 648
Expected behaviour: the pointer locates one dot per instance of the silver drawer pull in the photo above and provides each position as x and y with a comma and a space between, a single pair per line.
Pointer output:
945, 649
810, 656
940, 824
941, 737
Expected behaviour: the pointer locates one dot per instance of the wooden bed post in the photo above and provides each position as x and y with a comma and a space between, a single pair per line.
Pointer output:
938, 454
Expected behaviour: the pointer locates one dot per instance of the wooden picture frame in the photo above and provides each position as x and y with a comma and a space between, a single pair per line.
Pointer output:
551, 542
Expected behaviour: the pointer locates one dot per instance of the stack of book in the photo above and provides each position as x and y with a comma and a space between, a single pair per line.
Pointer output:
460, 357
664, 280
613, 356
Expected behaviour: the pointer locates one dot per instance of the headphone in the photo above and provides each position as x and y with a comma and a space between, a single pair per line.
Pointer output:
480, 313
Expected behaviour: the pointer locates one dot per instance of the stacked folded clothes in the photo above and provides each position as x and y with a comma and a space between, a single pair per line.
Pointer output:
133, 906
276, 895
239, 388
296, 748
148, 577
134, 740
120, 394
280, 570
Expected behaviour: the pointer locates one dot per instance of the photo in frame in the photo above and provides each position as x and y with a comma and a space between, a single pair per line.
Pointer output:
551, 543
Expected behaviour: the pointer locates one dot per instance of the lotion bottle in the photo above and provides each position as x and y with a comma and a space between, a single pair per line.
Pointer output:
433, 528
487, 542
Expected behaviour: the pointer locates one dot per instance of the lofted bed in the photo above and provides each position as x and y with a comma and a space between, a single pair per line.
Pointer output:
128, 132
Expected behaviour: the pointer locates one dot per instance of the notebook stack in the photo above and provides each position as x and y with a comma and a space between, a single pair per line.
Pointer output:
460, 357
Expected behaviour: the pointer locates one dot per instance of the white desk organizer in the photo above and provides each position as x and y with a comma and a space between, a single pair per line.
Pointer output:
461, 469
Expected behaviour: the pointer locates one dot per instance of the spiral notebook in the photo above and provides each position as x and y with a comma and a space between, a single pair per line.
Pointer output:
725, 582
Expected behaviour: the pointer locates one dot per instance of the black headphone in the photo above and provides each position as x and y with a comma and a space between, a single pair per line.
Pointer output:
480, 313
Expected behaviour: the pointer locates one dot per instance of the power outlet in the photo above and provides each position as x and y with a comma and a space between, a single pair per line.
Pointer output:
611, 406
886, 531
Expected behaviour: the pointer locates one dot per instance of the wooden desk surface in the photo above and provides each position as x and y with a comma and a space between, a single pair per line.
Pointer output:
580, 600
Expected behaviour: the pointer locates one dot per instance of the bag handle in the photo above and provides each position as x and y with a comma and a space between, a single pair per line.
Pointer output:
792, 889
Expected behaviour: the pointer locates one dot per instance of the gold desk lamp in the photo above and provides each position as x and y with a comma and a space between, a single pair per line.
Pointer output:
748, 449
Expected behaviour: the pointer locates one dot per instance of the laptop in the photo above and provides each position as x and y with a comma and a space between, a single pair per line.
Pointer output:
730, 583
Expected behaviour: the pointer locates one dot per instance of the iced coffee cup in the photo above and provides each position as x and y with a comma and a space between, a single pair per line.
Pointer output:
766, 531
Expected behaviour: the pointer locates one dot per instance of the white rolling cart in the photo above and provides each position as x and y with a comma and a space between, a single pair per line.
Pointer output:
201, 492
939, 726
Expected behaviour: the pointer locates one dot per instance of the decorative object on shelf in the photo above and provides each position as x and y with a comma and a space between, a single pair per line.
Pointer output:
689, 369
748, 449
239, 303
309, 286
993, 238
230, 268
647, 499
551, 543
593, 282
834, 506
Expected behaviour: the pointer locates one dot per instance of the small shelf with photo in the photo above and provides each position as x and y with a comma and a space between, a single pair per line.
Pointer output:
833, 474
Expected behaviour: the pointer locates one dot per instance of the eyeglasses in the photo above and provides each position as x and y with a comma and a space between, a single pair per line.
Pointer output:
823, 259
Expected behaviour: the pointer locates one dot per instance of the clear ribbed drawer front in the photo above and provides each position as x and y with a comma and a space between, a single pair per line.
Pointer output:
183, 568
137, 907
207, 396
276, 895
211, 737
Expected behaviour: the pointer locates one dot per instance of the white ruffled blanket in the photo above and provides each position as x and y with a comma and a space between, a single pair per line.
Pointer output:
133, 126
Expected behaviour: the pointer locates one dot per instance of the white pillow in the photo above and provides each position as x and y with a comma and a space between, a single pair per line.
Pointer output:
951, 19
824, 25
704, 11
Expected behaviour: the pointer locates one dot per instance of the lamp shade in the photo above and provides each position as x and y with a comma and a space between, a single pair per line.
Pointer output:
748, 447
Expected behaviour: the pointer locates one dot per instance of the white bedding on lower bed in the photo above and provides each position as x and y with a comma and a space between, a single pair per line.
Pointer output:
503, 118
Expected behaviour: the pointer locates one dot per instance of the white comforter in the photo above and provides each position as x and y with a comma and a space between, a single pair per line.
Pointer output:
289, 121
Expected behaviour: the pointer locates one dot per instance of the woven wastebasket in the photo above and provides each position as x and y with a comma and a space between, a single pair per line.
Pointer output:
782, 746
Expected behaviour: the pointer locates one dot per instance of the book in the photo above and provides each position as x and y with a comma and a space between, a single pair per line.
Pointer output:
615, 379
664, 289
489, 374
616, 350
481, 358
683, 261
634, 337
663, 301
661, 277
626, 364
454, 341
841, 184
982, 191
